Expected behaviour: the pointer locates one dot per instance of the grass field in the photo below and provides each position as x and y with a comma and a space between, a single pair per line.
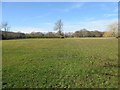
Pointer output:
60, 63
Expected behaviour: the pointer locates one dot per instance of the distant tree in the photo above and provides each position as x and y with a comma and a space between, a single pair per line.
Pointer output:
77, 34
82, 33
50, 34
36, 34
4, 26
112, 30
85, 32
97, 33
59, 27
69, 34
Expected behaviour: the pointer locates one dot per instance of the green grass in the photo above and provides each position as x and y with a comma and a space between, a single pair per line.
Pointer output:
60, 63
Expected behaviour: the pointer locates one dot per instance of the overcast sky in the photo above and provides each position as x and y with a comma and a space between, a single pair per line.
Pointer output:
41, 16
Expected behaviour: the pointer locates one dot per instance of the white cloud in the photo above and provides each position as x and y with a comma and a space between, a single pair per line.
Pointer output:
89, 18
48, 23
73, 6
77, 5
110, 15
28, 29
32, 18
100, 25
116, 10
45, 23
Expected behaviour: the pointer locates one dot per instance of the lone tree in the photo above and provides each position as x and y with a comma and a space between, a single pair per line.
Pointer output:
59, 27
112, 30
4, 26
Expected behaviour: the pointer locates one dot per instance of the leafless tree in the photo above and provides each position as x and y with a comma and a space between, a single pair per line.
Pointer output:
4, 26
59, 27
112, 30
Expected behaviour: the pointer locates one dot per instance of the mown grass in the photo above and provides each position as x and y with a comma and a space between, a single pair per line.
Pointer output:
60, 63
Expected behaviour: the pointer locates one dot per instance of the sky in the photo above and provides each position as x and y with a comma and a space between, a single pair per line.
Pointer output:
29, 17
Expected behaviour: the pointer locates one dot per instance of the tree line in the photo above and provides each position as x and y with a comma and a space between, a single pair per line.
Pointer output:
112, 32
80, 33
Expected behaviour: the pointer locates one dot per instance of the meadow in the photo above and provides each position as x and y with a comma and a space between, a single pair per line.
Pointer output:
60, 63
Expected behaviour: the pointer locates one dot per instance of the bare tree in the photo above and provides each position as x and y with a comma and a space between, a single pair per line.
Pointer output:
4, 26
59, 27
112, 30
